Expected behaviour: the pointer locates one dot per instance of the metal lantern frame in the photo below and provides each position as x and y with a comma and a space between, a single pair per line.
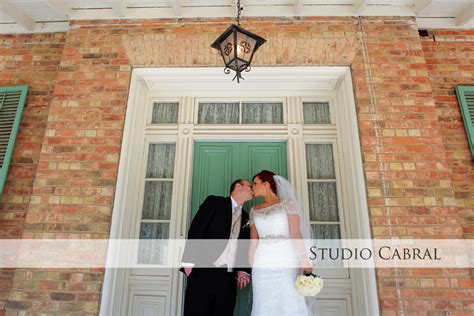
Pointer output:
237, 47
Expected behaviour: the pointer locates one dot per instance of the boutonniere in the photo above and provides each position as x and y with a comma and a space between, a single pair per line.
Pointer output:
246, 225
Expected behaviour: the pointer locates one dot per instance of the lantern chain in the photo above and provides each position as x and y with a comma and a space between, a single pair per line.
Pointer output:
239, 10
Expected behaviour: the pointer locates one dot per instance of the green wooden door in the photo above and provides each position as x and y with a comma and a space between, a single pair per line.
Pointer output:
217, 165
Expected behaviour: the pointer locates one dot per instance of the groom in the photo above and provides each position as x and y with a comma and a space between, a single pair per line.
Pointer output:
209, 290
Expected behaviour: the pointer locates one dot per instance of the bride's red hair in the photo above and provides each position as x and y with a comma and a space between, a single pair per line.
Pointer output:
267, 176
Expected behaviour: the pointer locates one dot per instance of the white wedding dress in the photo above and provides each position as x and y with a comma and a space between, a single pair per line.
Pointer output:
275, 264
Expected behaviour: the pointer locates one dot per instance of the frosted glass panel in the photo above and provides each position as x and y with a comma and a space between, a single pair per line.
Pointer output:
160, 161
316, 113
157, 201
150, 251
326, 231
165, 113
218, 113
319, 160
262, 113
323, 202
243, 49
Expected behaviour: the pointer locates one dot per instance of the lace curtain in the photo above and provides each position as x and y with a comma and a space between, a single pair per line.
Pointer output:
262, 113
229, 113
157, 200
165, 113
322, 191
156, 210
160, 162
218, 113
316, 113
150, 251
322, 231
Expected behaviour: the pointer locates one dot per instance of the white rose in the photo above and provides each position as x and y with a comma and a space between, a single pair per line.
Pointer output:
309, 285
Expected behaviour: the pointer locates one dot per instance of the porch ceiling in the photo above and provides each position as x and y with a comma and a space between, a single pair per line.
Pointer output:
30, 16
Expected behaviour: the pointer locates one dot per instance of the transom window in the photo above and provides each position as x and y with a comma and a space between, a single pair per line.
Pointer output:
240, 113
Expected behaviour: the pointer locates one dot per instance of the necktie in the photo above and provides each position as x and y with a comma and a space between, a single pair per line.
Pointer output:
228, 255
234, 235
236, 215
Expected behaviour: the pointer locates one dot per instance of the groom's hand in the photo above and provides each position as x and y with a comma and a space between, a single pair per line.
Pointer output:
243, 279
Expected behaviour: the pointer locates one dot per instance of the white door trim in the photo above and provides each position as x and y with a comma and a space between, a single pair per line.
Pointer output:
272, 82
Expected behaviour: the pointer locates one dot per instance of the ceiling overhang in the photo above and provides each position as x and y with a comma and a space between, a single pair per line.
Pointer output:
32, 16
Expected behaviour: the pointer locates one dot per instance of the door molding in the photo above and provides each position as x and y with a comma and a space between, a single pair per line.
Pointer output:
185, 84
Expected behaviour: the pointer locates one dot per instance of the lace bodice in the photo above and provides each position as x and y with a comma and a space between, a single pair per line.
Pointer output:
272, 221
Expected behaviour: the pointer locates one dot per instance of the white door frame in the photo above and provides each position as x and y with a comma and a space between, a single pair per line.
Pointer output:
186, 84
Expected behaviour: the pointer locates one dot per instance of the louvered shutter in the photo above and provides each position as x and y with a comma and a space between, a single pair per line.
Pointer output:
466, 103
12, 102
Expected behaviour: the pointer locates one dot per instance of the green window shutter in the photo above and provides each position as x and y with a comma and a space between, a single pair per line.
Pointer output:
12, 102
466, 102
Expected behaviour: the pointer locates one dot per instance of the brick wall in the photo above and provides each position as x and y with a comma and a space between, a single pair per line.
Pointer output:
450, 60
410, 175
73, 190
31, 60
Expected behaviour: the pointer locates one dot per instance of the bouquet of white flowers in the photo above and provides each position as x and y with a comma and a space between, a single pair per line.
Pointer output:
309, 284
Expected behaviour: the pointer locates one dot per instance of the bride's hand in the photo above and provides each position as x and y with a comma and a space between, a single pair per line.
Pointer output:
306, 267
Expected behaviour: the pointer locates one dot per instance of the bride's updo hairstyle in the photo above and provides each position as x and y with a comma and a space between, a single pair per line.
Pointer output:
267, 176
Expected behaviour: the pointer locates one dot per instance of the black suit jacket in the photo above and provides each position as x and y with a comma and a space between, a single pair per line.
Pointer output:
213, 221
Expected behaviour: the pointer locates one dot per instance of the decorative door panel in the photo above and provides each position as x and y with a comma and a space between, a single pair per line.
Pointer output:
214, 170
217, 165
265, 156
268, 157
147, 304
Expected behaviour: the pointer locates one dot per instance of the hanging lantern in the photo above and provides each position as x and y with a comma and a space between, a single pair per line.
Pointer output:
237, 47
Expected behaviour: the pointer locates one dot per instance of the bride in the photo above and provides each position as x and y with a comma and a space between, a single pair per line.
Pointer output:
277, 251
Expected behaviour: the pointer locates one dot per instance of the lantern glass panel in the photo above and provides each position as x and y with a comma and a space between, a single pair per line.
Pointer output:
245, 48
227, 49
